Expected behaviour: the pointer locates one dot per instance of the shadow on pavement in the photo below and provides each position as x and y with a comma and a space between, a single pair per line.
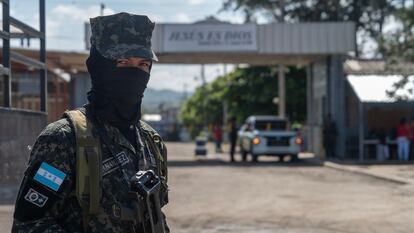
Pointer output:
222, 163
370, 162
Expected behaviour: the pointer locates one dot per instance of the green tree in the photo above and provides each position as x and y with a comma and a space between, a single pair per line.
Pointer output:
397, 47
368, 15
247, 91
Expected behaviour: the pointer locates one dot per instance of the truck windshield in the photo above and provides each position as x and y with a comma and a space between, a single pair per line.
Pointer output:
270, 125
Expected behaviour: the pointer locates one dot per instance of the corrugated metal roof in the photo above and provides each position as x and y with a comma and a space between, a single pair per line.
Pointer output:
376, 67
61, 63
287, 41
306, 38
373, 88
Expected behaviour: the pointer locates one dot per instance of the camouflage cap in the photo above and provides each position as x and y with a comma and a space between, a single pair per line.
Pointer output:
123, 35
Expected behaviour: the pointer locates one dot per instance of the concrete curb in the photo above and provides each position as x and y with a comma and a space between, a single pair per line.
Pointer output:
351, 169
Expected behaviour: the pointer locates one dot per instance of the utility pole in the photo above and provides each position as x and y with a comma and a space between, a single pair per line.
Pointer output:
185, 94
102, 9
226, 107
204, 86
282, 91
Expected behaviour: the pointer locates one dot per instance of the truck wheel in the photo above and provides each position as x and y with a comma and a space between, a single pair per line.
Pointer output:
244, 155
294, 158
255, 158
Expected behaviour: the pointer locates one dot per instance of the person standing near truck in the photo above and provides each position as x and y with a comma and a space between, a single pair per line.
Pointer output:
233, 138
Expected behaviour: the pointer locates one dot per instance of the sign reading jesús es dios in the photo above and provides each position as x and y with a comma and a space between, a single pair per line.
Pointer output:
210, 37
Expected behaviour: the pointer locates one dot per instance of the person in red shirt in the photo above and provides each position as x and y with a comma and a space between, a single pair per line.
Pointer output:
403, 140
218, 137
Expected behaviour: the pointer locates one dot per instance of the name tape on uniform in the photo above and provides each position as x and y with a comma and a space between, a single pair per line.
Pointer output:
36, 198
111, 164
49, 176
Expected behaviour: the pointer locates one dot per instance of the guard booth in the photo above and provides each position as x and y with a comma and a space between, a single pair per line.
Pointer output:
372, 115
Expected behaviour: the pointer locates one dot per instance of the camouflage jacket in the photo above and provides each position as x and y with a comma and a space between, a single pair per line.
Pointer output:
42, 209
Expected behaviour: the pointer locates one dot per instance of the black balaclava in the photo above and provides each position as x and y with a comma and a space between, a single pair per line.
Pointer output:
116, 92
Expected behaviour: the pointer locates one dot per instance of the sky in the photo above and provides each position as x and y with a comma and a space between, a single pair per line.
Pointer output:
65, 21
65, 29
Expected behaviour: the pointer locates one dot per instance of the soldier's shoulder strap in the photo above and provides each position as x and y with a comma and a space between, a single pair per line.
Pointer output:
158, 147
156, 138
88, 165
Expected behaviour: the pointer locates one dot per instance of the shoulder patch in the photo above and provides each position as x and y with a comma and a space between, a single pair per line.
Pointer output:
36, 198
49, 176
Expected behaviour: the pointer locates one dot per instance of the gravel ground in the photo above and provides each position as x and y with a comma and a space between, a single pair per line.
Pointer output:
213, 196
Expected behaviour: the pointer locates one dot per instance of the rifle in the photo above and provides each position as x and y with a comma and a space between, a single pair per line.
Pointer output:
145, 187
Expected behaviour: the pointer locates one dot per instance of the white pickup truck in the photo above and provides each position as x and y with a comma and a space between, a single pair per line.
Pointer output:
268, 135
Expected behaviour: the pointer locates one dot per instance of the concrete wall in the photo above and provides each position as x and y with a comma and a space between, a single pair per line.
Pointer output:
326, 94
317, 78
337, 100
18, 131
352, 123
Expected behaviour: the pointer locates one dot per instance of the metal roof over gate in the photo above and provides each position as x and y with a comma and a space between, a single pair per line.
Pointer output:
260, 44
208, 42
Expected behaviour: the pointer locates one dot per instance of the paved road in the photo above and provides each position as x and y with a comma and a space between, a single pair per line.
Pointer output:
212, 196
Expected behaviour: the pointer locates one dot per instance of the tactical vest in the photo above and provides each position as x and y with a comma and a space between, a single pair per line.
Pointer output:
89, 162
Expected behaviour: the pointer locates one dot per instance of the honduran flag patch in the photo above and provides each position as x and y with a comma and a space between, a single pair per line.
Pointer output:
49, 176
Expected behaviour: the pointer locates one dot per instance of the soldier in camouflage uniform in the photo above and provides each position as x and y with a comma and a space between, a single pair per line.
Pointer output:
119, 64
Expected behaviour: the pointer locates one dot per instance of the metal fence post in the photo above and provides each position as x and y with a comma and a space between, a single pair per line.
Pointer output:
43, 72
6, 55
